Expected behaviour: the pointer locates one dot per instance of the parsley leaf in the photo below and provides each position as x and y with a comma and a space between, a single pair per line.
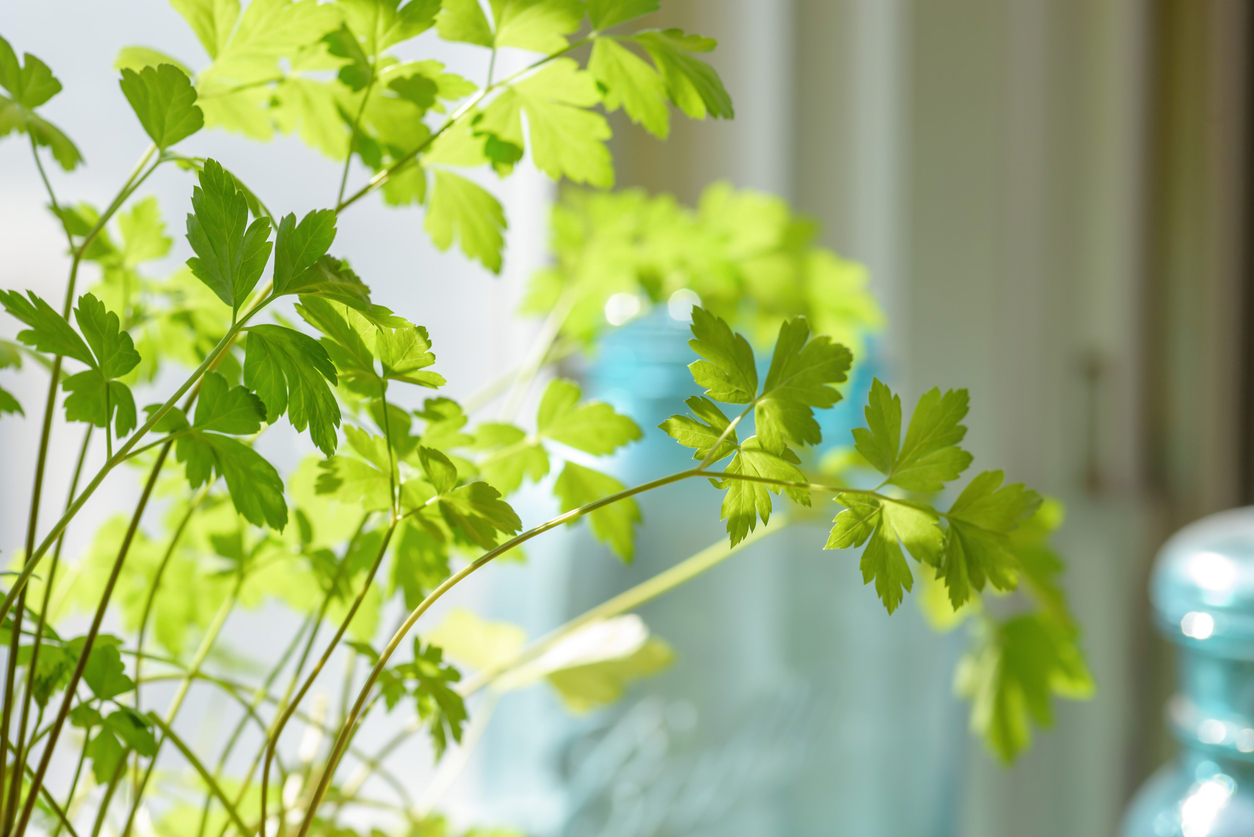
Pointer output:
32, 84
728, 372
801, 370
614, 524
593, 427
884, 526
165, 102
49, 332
929, 456
463, 210
536, 25
567, 139
1021, 665
631, 84
94, 394
512, 456
298, 247
977, 546
404, 353
702, 429
253, 483
230, 252
690, 82
290, 372
382, 24
477, 510
607, 13
747, 500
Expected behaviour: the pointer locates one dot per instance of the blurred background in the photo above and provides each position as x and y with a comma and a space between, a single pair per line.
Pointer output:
1052, 200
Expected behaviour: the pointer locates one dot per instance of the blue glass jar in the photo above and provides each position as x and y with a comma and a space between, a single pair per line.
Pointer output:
1203, 598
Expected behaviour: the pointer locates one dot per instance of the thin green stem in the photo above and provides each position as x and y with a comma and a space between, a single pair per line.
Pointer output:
625, 602
34, 557
56, 207
63, 821
549, 332
8, 801
205, 775
350, 725
273, 741
352, 137
41, 622
211, 636
64, 710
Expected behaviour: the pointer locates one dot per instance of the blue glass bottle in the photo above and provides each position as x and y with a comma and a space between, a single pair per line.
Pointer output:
1203, 598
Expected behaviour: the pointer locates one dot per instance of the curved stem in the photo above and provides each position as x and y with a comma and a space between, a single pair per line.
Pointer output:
350, 724
647, 590
211, 636
352, 137
205, 775
273, 741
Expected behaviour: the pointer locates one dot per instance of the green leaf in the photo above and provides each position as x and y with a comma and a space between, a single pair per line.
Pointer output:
567, 139
577, 486
593, 427
94, 399
221, 408
607, 13
143, 233
631, 84
1013, 676
133, 729
113, 348
290, 371
49, 332
381, 24
298, 247
625, 653
436, 701
884, 526
94, 394
165, 102
728, 373
880, 440
211, 20
798, 381
537, 25
419, 565
230, 253
106, 755
255, 486
31, 84
691, 83
702, 429
747, 500
464, 21
977, 546
440, 471
478, 512
104, 673
349, 340
459, 209
137, 58
405, 353
512, 456
9, 404
929, 456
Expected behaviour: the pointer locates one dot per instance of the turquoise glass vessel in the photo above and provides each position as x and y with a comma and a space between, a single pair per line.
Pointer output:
1203, 598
